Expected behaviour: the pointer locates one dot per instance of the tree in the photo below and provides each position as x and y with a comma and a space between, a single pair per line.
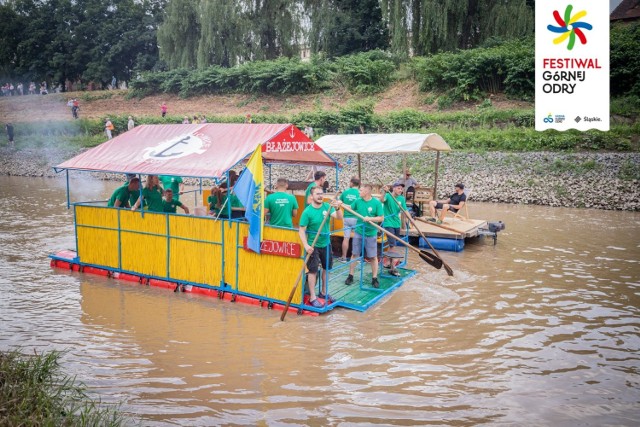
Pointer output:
11, 28
395, 13
179, 34
221, 41
341, 27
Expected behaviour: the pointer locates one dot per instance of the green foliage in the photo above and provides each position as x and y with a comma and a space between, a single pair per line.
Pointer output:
625, 59
365, 73
470, 74
34, 392
629, 171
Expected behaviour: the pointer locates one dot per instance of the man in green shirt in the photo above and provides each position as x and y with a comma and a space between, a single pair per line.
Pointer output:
371, 209
120, 197
174, 183
281, 206
393, 218
320, 177
232, 201
320, 253
169, 204
348, 197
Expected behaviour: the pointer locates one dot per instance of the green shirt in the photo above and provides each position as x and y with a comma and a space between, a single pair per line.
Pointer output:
370, 208
391, 211
281, 206
172, 182
213, 202
312, 218
123, 194
348, 198
233, 201
170, 207
153, 198
307, 193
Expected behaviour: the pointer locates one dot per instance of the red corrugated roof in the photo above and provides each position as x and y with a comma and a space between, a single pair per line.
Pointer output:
200, 150
627, 10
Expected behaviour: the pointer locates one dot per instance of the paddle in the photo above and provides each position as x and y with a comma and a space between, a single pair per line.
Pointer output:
406, 215
304, 266
427, 257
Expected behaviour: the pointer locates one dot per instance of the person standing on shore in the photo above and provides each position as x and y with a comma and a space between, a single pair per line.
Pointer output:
163, 109
108, 127
130, 124
9, 129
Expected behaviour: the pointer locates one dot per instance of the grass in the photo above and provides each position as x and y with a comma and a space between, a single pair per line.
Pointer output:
33, 392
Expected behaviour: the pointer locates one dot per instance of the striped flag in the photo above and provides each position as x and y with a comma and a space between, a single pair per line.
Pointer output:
249, 189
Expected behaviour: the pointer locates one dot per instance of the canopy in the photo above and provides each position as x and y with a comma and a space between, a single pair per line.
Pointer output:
199, 150
378, 143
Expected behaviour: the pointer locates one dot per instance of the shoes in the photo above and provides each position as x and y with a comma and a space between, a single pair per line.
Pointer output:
374, 283
439, 221
327, 297
432, 219
394, 273
315, 303
342, 259
349, 280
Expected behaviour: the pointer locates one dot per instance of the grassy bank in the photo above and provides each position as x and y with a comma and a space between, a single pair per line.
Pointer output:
34, 392
481, 128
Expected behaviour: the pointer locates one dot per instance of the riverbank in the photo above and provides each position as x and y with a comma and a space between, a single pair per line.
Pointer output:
585, 180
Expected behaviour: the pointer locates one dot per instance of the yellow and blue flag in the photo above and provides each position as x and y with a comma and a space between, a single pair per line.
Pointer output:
249, 189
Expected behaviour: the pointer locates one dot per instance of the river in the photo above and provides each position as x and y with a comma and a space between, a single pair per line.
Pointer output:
541, 329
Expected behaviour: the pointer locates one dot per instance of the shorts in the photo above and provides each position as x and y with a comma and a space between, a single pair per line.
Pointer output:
349, 225
370, 245
440, 206
396, 232
320, 256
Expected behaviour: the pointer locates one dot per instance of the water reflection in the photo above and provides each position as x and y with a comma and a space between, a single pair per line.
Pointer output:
541, 329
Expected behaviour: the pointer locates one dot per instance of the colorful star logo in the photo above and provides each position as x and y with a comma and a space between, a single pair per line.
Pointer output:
570, 27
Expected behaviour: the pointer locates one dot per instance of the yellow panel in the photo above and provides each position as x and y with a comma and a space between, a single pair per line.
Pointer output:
154, 223
196, 262
99, 247
97, 216
144, 254
196, 228
230, 243
269, 275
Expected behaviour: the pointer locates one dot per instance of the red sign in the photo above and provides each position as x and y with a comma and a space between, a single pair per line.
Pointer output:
274, 247
290, 140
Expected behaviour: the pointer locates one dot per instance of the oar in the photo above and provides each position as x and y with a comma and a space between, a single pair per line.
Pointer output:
439, 225
406, 215
304, 266
427, 257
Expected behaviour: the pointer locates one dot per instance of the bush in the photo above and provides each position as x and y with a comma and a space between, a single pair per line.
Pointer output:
470, 74
625, 59
365, 73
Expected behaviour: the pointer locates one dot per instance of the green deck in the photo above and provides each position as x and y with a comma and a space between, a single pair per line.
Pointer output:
361, 295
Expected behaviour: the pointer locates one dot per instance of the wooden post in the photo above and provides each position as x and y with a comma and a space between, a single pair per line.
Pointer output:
359, 168
435, 178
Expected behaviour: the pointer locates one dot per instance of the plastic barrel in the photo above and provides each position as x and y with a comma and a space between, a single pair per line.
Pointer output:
440, 244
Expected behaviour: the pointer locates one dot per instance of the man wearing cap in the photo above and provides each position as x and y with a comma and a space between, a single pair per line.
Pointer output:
455, 202
393, 219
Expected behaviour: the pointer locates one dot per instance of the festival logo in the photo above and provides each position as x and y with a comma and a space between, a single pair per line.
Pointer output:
175, 148
570, 27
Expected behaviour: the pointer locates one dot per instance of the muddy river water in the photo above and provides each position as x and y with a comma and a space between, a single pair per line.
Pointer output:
541, 329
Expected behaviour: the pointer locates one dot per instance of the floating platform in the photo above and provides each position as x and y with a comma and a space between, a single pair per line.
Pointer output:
357, 297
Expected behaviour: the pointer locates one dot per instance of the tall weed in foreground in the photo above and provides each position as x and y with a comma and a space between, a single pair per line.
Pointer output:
34, 392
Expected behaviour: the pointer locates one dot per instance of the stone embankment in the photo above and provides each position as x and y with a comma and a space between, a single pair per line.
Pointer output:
586, 180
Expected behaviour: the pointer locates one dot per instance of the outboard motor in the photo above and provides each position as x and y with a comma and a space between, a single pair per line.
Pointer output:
494, 227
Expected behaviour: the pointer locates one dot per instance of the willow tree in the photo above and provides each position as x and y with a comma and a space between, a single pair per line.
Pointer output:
459, 24
395, 13
276, 28
223, 24
179, 34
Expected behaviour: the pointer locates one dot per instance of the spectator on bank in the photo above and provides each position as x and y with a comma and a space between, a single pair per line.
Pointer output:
108, 127
308, 130
163, 109
9, 128
185, 120
20, 89
32, 88
130, 124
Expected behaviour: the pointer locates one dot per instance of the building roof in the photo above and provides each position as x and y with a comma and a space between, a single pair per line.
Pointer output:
628, 10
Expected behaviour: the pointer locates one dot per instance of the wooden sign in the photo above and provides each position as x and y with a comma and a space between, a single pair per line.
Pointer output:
274, 247
423, 194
